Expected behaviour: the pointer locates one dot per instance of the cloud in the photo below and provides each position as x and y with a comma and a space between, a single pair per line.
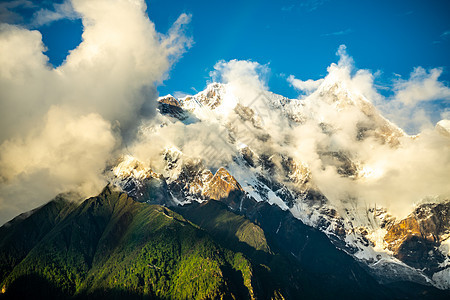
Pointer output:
60, 11
445, 34
8, 13
345, 61
414, 101
307, 86
62, 125
395, 176
312, 5
445, 114
407, 107
338, 33
239, 72
421, 86
247, 81
356, 157
287, 8
341, 129
70, 148
215, 137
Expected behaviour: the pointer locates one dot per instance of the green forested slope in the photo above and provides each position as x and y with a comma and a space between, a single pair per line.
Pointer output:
113, 246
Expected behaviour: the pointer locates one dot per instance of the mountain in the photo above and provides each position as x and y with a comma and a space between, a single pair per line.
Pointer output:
265, 167
250, 195
113, 247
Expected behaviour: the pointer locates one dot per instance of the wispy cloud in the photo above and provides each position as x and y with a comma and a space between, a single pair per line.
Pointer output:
42, 12
8, 9
407, 13
312, 5
338, 33
60, 11
400, 180
287, 7
444, 36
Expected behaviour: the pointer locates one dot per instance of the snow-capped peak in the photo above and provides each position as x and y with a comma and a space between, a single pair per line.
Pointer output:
129, 166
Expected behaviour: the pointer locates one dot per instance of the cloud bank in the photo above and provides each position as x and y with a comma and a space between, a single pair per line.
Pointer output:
60, 126
393, 169
356, 157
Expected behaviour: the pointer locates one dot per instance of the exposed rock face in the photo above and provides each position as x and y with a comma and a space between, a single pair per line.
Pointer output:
212, 97
402, 231
170, 100
249, 156
434, 220
296, 172
189, 179
221, 185
139, 181
170, 106
416, 239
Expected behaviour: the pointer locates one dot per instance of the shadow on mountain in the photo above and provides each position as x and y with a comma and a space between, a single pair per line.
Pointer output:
292, 256
112, 247
236, 286
34, 286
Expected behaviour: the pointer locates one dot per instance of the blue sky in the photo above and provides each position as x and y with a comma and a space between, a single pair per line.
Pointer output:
301, 37
292, 37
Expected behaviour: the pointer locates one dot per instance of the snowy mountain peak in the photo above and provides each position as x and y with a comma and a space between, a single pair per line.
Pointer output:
211, 97
170, 100
329, 138
128, 166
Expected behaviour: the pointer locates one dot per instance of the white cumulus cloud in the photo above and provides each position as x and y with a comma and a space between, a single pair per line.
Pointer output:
307, 86
61, 125
422, 85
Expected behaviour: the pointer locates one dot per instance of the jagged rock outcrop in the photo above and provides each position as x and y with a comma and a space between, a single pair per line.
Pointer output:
416, 239
221, 185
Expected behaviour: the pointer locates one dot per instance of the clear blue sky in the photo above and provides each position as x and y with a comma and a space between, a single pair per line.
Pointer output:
301, 37
293, 37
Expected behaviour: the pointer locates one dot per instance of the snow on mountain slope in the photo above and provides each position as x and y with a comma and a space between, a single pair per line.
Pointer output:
323, 158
